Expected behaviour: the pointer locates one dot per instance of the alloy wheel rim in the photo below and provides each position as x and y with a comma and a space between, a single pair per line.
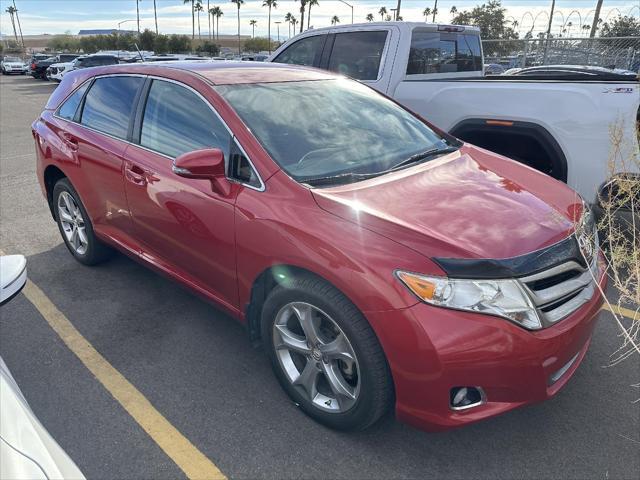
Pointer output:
72, 223
317, 357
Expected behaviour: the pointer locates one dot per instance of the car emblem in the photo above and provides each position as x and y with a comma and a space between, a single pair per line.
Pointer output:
586, 246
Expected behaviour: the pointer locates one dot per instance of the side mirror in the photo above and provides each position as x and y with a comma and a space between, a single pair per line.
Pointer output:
206, 164
13, 276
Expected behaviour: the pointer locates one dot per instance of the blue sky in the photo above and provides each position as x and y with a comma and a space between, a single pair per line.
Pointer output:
59, 16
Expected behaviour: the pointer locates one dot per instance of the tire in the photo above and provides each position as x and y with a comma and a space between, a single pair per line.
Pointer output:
367, 378
83, 245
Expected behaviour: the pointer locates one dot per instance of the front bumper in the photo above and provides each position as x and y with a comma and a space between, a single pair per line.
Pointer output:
432, 350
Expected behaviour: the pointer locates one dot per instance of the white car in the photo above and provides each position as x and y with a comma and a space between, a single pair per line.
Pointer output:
27, 450
11, 65
56, 71
560, 126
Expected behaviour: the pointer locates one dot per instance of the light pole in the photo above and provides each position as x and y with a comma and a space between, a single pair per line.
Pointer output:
278, 26
350, 6
125, 21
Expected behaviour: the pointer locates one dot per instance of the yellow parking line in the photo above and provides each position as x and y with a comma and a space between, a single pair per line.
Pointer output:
630, 314
190, 460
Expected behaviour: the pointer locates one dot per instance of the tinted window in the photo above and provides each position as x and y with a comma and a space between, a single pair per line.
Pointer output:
302, 52
178, 121
69, 108
433, 52
109, 104
357, 54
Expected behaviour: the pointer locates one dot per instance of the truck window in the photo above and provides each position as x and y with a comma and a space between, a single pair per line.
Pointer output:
303, 52
357, 54
435, 52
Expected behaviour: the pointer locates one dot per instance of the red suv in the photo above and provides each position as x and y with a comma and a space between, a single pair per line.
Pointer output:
381, 261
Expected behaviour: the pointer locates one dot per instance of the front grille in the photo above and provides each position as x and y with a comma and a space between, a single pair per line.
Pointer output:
559, 291
54, 70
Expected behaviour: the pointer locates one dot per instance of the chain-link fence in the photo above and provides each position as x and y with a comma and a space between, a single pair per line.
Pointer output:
611, 52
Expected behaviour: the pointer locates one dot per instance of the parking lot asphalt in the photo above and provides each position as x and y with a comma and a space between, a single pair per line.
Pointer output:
196, 367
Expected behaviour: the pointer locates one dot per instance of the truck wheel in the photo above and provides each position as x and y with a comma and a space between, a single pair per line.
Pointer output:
325, 354
75, 225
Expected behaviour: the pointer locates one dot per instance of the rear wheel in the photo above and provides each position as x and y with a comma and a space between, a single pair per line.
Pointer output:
75, 226
325, 354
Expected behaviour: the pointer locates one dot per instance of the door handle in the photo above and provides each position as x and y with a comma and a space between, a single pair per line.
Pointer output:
135, 174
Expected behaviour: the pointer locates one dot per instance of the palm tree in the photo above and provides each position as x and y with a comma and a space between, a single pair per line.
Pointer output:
294, 22
382, 12
198, 8
212, 20
426, 12
253, 24
193, 18
303, 4
569, 24
217, 12
369, 17
155, 15
270, 4
435, 11
208, 17
335, 20
238, 3
310, 3
138, 14
453, 10
11, 11
287, 18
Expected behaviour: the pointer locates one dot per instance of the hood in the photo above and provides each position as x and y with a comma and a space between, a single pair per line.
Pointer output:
469, 204
61, 65
14, 64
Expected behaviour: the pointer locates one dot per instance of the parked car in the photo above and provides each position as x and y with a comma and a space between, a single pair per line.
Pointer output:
56, 71
39, 67
560, 128
577, 72
493, 69
379, 262
27, 450
255, 58
10, 65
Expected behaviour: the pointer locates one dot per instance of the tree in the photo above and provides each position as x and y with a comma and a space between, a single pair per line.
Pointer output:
64, 43
426, 12
490, 17
310, 3
435, 11
11, 11
335, 20
193, 17
453, 10
620, 26
217, 13
382, 12
238, 3
138, 14
179, 44
147, 40
209, 19
270, 4
369, 17
303, 4
161, 44
287, 18
294, 22
209, 48
258, 44
198, 8
253, 24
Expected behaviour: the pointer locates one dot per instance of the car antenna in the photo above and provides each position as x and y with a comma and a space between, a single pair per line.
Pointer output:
139, 52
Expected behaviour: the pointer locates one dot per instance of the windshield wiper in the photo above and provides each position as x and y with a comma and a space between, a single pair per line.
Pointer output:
337, 179
422, 156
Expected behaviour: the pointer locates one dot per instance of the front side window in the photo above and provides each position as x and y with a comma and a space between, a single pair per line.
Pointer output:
443, 52
69, 108
109, 104
177, 121
303, 52
357, 54
323, 128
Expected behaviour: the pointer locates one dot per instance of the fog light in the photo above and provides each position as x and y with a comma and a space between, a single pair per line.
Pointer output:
462, 398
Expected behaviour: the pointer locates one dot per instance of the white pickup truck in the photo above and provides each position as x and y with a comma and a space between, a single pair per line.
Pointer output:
562, 127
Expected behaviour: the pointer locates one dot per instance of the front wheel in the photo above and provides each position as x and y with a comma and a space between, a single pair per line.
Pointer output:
325, 354
75, 226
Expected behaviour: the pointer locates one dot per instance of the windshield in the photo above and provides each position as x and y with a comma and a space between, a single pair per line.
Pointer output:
12, 59
323, 128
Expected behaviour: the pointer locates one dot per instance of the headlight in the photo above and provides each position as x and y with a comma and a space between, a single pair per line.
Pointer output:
503, 298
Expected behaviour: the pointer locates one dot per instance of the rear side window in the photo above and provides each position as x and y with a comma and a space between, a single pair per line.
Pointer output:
109, 104
303, 52
69, 108
357, 54
435, 52
178, 121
